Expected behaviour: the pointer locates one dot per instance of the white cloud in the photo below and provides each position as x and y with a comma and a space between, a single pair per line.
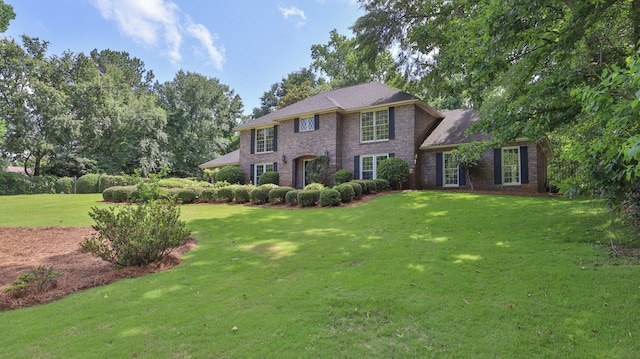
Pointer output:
159, 24
294, 14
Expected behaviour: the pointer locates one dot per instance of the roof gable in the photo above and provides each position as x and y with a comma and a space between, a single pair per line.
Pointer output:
451, 130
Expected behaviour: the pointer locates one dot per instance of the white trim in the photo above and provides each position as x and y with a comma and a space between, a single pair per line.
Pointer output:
264, 165
374, 111
502, 166
374, 175
257, 150
444, 173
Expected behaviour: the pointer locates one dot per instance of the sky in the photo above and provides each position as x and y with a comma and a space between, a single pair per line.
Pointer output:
247, 45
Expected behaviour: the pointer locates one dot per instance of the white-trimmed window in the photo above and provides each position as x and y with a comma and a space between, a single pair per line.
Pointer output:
511, 166
307, 124
264, 140
261, 168
451, 171
369, 165
374, 126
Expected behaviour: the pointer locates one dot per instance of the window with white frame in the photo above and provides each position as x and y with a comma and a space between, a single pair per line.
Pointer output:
264, 140
307, 124
511, 165
261, 168
369, 165
374, 126
450, 170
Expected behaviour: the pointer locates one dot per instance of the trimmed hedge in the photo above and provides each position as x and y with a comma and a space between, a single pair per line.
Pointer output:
314, 187
291, 198
330, 197
342, 176
122, 193
88, 183
382, 184
346, 192
260, 195
209, 195
231, 174
278, 195
357, 188
106, 181
308, 197
226, 194
184, 195
271, 177
242, 194
64, 185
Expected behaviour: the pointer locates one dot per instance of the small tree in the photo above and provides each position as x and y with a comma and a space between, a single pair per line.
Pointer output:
317, 169
395, 170
468, 155
231, 174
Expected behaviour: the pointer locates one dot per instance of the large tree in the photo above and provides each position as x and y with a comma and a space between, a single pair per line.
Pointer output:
6, 15
202, 115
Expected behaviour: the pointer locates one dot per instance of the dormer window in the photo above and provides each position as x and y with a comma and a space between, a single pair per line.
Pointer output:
307, 124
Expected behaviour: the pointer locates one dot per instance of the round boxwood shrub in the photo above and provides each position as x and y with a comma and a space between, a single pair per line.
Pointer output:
107, 194
123, 193
260, 195
395, 170
330, 197
226, 194
308, 197
370, 186
243, 194
278, 194
314, 187
209, 195
64, 185
342, 176
382, 184
231, 174
271, 177
346, 192
107, 181
184, 195
88, 183
357, 188
291, 198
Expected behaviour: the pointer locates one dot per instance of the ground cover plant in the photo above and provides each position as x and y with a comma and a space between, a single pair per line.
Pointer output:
413, 274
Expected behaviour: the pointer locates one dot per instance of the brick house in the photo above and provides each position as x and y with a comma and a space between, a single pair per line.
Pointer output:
356, 127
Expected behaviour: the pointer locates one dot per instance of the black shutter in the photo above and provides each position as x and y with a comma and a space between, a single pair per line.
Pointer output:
356, 167
316, 122
275, 167
296, 125
497, 165
392, 155
252, 173
253, 141
392, 123
462, 179
524, 164
275, 138
439, 169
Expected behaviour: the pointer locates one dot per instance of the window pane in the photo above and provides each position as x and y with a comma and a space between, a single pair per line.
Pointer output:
366, 127
382, 125
367, 167
450, 170
511, 166
307, 124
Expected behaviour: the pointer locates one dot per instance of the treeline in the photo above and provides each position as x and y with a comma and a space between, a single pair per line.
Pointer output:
72, 114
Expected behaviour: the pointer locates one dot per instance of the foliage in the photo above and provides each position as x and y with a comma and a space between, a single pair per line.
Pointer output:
342, 176
295, 87
382, 184
357, 188
242, 194
209, 195
88, 183
269, 177
227, 193
183, 195
65, 185
135, 235
6, 15
363, 185
230, 174
469, 154
120, 194
17, 183
107, 181
308, 197
278, 195
347, 193
314, 186
260, 194
317, 169
37, 280
330, 197
291, 198
395, 170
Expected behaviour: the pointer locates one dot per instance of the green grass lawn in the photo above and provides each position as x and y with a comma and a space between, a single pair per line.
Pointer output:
405, 275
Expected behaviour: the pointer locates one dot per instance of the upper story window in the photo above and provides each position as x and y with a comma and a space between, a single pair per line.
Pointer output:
307, 124
264, 140
374, 126
511, 165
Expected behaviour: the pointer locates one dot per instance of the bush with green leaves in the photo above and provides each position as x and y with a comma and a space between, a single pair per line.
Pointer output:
370, 186
330, 197
226, 194
183, 195
309, 197
64, 185
395, 170
209, 195
88, 183
260, 195
121, 193
107, 181
107, 194
278, 195
315, 186
231, 174
242, 194
291, 198
13, 183
382, 184
135, 235
37, 280
362, 184
346, 192
357, 189
271, 177
342, 176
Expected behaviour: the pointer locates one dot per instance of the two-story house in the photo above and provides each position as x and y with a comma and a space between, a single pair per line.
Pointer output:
357, 127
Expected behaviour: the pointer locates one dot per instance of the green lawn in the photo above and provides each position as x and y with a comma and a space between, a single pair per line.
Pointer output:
406, 275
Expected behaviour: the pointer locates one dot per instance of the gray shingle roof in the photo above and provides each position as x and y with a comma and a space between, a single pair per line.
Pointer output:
451, 131
231, 158
350, 98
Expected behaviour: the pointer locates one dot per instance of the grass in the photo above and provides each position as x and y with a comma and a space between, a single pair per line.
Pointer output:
417, 274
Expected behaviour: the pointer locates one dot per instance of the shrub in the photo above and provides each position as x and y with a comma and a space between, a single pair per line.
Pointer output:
226, 194
209, 195
342, 176
291, 198
107, 181
317, 168
64, 185
330, 197
314, 186
346, 192
363, 185
135, 235
37, 280
184, 195
41, 184
271, 177
370, 186
243, 194
107, 194
278, 194
122, 193
260, 195
88, 183
13, 183
382, 184
357, 188
308, 197
231, 174
395, 170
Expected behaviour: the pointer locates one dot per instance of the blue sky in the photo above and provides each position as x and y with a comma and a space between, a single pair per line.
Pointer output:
246, 44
